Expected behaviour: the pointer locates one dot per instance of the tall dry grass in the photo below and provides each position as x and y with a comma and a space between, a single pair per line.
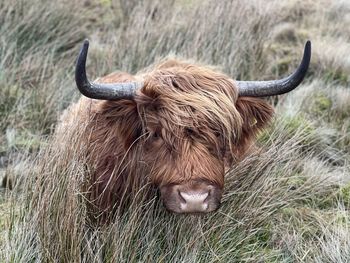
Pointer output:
289, 202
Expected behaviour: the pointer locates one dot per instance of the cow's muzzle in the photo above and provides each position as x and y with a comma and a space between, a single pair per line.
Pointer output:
198, 197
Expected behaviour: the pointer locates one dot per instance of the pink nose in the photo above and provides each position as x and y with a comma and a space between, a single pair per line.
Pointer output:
194, 201
193, 197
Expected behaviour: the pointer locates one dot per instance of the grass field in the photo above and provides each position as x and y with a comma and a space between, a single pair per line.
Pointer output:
289, 202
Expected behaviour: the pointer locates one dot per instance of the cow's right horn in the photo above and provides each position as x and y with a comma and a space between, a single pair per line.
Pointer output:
101, 91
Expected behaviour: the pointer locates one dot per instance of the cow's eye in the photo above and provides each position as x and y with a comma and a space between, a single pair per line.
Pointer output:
217, 134
155, 135
190, 131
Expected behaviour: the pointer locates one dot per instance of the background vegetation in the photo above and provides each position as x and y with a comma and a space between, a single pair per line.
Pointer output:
289, 202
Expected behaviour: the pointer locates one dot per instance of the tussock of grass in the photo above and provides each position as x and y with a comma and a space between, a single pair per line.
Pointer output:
278, 184
287, 202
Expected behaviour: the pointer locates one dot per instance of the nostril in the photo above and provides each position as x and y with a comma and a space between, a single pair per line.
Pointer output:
181, 197
208, 196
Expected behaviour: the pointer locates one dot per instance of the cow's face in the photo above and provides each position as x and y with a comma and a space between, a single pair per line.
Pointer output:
194, 127
186, 163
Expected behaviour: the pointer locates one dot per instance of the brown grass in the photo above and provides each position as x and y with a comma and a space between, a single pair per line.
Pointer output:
287, 203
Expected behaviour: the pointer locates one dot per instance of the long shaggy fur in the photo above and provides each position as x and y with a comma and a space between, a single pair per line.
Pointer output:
186, 123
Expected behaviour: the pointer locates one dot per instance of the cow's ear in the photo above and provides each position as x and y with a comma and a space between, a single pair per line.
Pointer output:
124, 116
256, 114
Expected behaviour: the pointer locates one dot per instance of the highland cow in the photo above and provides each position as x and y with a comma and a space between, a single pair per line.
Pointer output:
179, 126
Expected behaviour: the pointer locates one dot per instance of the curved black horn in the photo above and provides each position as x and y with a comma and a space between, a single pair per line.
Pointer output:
277, 87
100, 91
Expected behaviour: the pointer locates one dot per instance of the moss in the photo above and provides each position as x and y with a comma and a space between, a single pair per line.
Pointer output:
264, 235
287, 211
282, 57
333, 115
298, 124
283, 65
337, 194
327, 202
289, 126
106, 2
294, 182
344, 194
294, 123
321, 104
336, 75
303, 34
264, 136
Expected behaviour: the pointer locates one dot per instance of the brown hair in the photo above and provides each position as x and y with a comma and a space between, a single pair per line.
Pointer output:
186, 123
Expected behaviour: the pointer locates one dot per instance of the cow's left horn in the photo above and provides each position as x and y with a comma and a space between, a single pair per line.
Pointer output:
277, 87
100, 91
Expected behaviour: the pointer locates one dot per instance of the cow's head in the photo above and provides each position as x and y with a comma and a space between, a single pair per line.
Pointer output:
193, 123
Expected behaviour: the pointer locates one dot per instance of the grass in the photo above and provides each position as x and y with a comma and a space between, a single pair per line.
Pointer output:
289, 202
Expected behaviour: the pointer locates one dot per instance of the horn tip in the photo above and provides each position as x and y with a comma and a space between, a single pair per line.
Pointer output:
307, 54
84, 49
86, 43
308, 45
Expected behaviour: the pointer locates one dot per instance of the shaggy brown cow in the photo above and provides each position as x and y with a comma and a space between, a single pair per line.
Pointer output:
179, 125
